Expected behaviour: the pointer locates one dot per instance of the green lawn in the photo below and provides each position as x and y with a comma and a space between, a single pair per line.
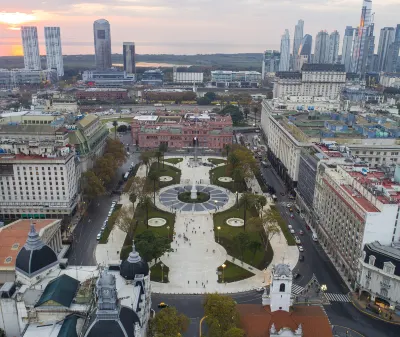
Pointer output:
163, 170
222, 171
227, 233
173, 160
286, 232
140, 217
233, 273
217, 161
108, 229
158, 273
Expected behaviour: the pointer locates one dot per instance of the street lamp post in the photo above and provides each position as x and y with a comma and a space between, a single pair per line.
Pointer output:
168, 231
223, 271
219, 228
162, 272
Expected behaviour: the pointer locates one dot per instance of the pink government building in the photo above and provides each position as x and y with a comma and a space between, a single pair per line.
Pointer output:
178, 132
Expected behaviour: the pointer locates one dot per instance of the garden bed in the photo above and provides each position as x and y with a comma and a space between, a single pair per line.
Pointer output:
233, 273
222, 171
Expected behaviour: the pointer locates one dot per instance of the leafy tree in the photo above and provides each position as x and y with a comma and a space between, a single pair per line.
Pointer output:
122, 128
117, 151
254, 247
203, 101
92, 185
260, 203
234, 332
242, 159
221, 312
211, 96
126, 221
115, 124
169, 323
152, 246
242, 241
137, 188
105, 169
145, 204
234, 112
147, 158
227, 148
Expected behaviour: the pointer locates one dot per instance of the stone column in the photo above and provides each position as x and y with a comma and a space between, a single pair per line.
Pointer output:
60, 238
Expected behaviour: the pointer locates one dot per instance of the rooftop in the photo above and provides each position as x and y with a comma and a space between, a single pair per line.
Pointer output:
105, 89
257, 320
323, 67
13, 238
288, 74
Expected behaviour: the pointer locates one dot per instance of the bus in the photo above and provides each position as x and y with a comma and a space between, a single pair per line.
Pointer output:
126, 176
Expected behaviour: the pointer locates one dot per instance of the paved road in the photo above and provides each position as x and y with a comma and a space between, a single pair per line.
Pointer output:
84, 244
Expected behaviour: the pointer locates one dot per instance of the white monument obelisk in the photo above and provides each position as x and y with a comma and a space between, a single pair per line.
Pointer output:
193, 192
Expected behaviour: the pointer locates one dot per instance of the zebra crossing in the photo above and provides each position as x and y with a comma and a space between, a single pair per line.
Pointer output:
337, 297
296, 289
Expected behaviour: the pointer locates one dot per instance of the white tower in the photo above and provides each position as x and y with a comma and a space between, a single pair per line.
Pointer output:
281, 288
30, 45
54, 56
284, 64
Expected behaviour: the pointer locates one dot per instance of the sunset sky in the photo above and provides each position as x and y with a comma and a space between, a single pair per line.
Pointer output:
184, 26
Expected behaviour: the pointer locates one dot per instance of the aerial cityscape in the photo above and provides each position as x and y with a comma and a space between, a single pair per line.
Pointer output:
251, 194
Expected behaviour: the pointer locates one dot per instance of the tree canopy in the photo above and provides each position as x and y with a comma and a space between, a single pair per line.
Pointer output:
92, 185
210, 95
151, 246
169, 323
234, 112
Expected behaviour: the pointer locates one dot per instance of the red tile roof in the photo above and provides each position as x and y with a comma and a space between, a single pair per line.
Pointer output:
257, 320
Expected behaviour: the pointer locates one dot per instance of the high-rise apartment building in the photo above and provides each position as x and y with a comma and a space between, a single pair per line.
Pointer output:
271, 60
284, 64
386, 38
363, 47
304, 53
102, 44
298, 37
347, 47
333, 47
30, 45
393, 53
54, 56
321, 52
129, 57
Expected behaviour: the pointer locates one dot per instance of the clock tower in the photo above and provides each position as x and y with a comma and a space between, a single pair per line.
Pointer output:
107, 305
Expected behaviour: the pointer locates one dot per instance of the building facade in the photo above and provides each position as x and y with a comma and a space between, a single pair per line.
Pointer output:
284, 64
153, 77
393, 53
54, 55
270, 63
297, 39
227, 78
390, 80
102, 93
378, 276
347, 47
304, 53
386, 39
186, 77
129, 57
322, 45
364, 41
30, 45
107, 78
102, 44
13, 78
355, 205
334, 39
211, 131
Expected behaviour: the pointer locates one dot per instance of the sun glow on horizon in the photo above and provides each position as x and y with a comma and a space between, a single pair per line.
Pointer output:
16, 18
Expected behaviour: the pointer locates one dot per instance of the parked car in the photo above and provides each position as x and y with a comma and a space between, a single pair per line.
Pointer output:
289, 205
290, 226
301, 249
110, 212
296, 275
291, 216
292, 231
260, 289
98, 236
308, 227
296, 238
301, 232
301, 258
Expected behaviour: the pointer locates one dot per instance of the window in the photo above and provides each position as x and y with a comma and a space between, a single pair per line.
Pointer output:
388, 268
282, 288
384, 292
372, 259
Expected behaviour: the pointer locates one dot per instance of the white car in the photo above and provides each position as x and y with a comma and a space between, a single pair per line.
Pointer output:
98, 236
301, 249
109, 213
290, 226
113, 203
298, 242
289, 205
292, 231
260, 289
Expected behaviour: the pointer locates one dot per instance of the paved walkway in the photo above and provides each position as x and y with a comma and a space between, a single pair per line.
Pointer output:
194, 262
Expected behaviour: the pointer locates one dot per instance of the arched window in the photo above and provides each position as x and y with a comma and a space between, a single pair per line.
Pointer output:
282, 288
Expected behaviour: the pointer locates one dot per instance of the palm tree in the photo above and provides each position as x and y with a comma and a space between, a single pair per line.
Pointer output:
145, 159
247, 200
146, 203
115, 124
154, 178
227, 148
158, 154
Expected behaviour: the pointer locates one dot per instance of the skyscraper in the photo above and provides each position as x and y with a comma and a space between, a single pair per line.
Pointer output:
102, 44
304, 53
386, 38
347, 47
54, 56
333, 47
284, 64
298, 37
129, 57
30, 45
393, 53
321, 52
364, 41
271, 60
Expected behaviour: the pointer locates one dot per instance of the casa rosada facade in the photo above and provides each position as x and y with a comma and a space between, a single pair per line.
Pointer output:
210, 131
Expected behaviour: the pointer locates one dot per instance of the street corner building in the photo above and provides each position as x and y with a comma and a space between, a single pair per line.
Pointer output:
279, 316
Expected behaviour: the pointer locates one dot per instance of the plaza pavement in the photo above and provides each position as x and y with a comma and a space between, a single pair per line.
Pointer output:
194, 262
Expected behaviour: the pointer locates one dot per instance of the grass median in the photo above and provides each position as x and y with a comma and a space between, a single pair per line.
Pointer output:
216, 161
173, 160
285, 230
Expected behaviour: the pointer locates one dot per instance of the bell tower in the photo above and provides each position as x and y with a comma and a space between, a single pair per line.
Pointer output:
281, 288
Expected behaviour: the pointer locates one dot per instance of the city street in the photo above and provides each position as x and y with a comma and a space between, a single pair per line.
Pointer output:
84, 236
